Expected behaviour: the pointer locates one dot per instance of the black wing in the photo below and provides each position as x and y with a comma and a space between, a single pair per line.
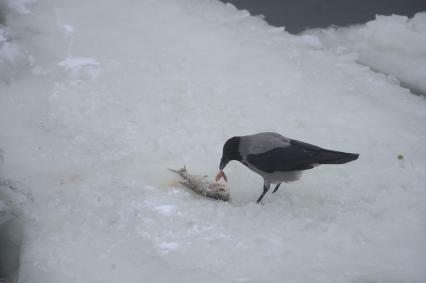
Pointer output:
297, 156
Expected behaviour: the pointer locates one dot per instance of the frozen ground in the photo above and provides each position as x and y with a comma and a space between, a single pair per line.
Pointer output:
394, 45
108, 94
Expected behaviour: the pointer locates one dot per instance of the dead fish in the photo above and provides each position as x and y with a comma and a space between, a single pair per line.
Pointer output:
203, 186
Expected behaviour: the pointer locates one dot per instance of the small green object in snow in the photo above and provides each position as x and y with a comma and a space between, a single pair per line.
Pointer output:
400, 157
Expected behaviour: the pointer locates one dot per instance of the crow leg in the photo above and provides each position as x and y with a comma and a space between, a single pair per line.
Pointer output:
266, 187
276, 188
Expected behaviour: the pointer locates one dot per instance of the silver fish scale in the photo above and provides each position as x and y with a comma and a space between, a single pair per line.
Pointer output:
203, 186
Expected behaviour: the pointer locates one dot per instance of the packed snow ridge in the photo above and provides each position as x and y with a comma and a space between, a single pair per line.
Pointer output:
99, 98
394, 45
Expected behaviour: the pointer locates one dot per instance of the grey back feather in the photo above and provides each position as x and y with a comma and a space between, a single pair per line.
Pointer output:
261, 142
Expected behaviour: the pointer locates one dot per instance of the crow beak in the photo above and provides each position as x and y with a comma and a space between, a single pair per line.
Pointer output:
223, 163
220, 175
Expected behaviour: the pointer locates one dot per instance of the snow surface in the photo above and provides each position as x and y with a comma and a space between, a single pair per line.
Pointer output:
12, 57
113, 93
18, 6
394, 45
5, 212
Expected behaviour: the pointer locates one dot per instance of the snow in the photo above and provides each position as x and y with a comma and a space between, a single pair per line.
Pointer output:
4, 213
110, 94
395, 45
12, 57
80, 67
78, 62
166, 210
19, 6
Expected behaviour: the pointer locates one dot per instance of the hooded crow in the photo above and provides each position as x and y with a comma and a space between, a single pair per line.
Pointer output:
276, 158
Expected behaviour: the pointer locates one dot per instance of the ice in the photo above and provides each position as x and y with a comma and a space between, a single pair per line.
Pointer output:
93, 116
168, 247
80, 67
68, 29
4, 212
393, 45
13, 57
78, 62
166, 210
19, 6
